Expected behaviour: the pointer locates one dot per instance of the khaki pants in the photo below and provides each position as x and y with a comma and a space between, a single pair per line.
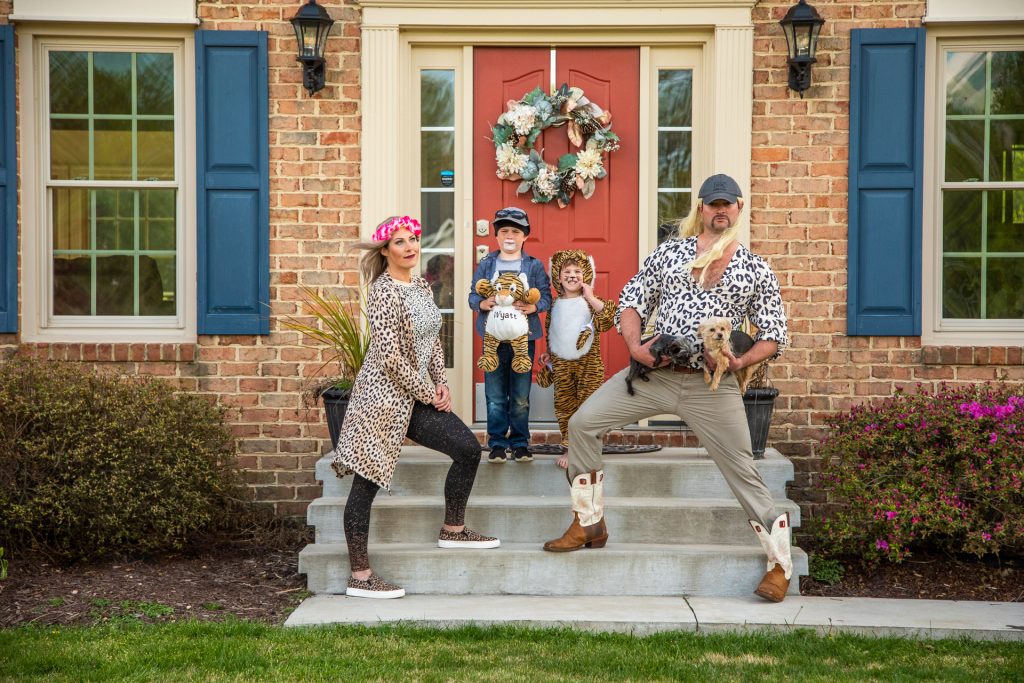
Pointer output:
717, 417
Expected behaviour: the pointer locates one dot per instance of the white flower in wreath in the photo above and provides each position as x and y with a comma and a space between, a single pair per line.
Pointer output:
510, 162
546, 182
589, 163
522, 118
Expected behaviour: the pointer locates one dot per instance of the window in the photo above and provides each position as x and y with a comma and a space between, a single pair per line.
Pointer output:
981, 188
675, 148
437, 195
108, 193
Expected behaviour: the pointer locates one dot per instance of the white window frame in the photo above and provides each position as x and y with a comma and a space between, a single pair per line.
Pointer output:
937, 331
38, 324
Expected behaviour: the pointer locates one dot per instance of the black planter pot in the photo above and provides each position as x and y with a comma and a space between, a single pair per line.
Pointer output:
760, 404
335, 405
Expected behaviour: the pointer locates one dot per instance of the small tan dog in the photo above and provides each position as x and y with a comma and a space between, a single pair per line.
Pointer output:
718, 337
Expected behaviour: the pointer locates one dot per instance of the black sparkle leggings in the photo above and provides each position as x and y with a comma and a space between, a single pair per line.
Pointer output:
443, 432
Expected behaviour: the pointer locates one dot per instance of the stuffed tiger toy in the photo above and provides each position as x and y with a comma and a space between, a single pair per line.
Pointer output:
504, 322
572, 329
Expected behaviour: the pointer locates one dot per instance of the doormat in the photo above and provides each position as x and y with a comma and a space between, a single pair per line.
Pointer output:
607, 449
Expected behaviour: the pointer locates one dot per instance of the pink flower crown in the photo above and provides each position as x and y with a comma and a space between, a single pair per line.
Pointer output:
384, 232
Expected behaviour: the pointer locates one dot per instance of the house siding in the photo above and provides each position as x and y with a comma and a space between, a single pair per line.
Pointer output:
798, 218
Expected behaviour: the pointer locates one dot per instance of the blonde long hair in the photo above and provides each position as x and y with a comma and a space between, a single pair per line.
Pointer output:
692, 226
372, 263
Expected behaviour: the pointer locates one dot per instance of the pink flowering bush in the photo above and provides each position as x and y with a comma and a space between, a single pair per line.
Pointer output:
938, 470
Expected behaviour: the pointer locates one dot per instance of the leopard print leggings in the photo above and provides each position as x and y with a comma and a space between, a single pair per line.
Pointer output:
443, 432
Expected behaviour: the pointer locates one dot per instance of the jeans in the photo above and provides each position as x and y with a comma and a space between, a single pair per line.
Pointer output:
508, 402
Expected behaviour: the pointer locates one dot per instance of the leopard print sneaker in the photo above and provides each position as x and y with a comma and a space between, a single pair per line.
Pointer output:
373, 587
467, 538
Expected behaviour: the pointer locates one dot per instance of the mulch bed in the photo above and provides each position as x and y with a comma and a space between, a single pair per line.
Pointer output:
263, 585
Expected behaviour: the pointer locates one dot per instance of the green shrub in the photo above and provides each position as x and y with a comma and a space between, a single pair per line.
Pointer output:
939, 469
826, 570
92, 464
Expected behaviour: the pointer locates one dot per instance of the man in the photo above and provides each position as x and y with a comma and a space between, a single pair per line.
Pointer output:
705, 273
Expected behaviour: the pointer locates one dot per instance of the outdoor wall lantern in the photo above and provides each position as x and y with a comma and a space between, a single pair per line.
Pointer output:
312, 24
801, 25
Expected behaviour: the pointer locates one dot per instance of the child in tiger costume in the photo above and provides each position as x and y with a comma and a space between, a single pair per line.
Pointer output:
572, 328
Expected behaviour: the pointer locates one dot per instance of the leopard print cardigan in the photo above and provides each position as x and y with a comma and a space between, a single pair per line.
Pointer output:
389, 382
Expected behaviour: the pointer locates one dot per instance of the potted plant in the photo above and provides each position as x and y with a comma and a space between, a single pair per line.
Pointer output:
759, 402
342, 326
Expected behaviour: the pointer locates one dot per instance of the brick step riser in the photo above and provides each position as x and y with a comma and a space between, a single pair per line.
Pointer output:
537, 523
687, 479
585, 572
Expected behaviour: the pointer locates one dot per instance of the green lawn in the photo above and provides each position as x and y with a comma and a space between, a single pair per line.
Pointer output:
243, 651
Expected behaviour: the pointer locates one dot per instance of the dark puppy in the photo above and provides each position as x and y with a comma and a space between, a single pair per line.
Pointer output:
675, 349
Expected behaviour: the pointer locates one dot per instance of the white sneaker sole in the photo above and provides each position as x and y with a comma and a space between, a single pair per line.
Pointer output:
380, 595
468, 544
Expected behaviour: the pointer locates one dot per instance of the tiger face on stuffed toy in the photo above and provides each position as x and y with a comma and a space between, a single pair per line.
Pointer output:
505, 323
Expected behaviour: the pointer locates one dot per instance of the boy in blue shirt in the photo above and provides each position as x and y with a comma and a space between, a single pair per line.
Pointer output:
508, 393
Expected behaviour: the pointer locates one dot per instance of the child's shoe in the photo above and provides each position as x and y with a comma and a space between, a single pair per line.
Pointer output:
497, 456
522, 454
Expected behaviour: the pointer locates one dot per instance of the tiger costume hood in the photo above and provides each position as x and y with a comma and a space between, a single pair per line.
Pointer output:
582, 259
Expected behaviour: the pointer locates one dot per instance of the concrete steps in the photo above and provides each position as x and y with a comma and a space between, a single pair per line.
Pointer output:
675, 529
525, 569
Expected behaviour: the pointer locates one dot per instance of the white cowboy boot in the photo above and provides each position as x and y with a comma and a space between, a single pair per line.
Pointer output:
587, 529
776, 544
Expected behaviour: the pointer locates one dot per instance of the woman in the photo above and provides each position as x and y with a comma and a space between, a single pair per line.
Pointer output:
401, 391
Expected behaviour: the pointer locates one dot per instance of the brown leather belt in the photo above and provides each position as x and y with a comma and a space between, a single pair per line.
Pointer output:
685, 369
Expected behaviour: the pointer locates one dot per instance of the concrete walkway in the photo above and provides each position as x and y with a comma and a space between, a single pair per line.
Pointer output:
645, 615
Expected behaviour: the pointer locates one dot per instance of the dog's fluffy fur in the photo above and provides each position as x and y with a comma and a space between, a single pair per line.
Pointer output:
675, 349
718, 337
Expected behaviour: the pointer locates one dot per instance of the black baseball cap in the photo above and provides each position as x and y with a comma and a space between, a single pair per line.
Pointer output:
719, 186
514, 217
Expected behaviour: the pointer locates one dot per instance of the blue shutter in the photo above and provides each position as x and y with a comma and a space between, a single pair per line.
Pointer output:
886, 148
233, 222
8, 187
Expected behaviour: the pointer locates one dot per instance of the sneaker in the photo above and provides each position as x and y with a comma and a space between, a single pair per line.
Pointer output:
498, 455
373, 587
467, 538
522, 454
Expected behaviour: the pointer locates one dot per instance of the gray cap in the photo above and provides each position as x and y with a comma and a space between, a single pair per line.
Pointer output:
719, 186
512, 216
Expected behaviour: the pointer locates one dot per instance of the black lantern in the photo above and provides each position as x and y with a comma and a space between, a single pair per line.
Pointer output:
801, 25
312, 24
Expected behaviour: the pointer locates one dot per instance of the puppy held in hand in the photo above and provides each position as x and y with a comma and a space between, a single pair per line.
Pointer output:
719, 337
675, 349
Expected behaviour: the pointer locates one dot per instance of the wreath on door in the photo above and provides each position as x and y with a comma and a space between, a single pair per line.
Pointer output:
589, 128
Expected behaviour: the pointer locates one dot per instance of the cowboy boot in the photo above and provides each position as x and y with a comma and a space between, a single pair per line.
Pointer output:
776, 544
587, 529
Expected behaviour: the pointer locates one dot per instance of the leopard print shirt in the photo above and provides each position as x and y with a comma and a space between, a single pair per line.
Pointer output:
426, 323
666, 290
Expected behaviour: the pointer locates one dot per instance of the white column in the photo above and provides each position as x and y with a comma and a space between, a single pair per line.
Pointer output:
381, 125
733, 113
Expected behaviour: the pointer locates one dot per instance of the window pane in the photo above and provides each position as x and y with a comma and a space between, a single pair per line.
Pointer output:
1006, 151
69, 149
439, 272
965, 83
448, 338
1008, 82
438, 212
156, 150
115, 220
157, 227
1005, 285
965, 150
437, 98
674, 159
672, 206
115, 285
961, 221
72, 285
675, 90
156, 285
1006, 221
69, 73
71, 225
961, 288
113, 150
155, 83
112, 82
437, 153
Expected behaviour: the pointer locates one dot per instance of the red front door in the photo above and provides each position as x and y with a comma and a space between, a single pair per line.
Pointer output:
604, 225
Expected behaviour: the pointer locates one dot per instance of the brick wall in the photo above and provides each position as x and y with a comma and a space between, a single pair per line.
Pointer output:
799, 222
